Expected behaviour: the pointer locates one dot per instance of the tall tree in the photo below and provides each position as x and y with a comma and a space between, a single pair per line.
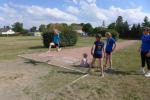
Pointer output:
112, 26
87, 28
18, 27
146, 22
119, 24
33, 29
42, 28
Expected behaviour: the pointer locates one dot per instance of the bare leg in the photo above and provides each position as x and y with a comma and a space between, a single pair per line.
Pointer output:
106, 60
110, 60
101, 66
50, 46
91, 65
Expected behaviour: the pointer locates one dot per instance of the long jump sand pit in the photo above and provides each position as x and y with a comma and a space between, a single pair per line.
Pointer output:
70, 58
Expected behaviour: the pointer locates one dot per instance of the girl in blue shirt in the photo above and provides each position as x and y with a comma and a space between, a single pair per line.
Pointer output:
110, 47
145, 49
56, 40
97, 52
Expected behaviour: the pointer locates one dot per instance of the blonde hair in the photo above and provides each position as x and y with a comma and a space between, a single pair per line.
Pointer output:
108, 33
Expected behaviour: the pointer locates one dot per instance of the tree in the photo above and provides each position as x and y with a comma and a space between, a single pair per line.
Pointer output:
87, 28
42, 28
33, 29
103, 24
18, 27
146, 22
119, 24
112, 26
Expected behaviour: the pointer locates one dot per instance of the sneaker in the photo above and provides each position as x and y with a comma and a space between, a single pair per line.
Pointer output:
142, 71
147, 74
59, 49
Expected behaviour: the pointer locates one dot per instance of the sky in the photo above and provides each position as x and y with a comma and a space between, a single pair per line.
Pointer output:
36, 12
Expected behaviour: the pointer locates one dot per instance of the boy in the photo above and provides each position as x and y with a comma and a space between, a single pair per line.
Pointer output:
56, 40
145, 49
110, 47
97, 52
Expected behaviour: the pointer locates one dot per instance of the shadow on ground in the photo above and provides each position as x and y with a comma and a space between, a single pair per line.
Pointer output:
37, 47
32, 62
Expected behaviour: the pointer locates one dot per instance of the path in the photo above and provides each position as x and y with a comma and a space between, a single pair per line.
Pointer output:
69, 58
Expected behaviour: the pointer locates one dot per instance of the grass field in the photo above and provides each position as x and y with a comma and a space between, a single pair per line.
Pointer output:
123, 83
13, 46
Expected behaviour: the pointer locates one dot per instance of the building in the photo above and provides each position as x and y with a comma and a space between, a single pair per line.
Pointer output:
6, 31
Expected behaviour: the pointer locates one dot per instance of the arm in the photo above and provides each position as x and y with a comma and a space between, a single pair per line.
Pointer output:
114, 47
92, 50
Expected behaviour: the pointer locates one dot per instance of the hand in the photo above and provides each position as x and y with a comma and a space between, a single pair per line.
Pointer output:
148, 54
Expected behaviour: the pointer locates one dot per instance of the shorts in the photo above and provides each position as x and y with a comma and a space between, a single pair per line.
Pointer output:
97, 56
108, 52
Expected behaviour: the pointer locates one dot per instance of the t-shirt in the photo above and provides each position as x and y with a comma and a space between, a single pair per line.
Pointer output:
56, 38
145, 47
99, 45
110, 43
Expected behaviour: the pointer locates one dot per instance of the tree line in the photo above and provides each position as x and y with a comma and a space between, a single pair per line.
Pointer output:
120, 26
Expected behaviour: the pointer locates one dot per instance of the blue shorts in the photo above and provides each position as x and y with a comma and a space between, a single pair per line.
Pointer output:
108, 52
97, 55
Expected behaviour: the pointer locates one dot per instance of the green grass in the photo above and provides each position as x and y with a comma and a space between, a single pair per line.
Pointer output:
123, 83
10, 47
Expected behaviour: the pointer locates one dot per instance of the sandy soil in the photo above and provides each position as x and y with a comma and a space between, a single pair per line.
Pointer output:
16, 75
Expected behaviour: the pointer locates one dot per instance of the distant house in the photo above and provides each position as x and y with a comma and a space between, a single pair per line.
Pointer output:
37, 34
6, 31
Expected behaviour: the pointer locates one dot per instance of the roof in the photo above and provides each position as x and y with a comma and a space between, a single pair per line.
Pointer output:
4, 29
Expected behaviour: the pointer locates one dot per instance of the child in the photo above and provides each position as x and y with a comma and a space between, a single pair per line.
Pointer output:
145, 49
110, 47
97, 52
84, 61
56, 40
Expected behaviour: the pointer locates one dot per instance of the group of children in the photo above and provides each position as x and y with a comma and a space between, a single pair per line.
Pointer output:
100, 51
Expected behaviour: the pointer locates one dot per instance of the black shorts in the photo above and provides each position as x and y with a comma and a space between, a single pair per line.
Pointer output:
108, 52
97, 55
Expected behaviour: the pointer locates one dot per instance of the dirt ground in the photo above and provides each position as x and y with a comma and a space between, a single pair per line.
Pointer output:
16, 75
70, 58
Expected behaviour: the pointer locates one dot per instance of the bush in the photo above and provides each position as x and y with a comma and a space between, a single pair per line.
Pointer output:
68, 37
114, 33
100, 30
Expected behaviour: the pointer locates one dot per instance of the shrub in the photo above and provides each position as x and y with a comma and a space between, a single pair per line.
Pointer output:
68, 37
114, 33
100, 30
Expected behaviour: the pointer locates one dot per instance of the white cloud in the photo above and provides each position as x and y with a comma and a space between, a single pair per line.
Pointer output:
84, 11
35, 15
7, 10
2, 19
73, 10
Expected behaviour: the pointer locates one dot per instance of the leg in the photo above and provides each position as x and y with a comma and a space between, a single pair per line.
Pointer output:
148, 65
143, 59
106, 60
50, 45
148, 62
91, 65
110, 60
101, 66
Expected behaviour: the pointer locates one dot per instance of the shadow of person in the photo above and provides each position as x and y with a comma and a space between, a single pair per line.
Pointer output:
120, 72
31, 62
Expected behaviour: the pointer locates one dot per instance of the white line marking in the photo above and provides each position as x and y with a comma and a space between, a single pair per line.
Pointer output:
53, 64
79, 79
